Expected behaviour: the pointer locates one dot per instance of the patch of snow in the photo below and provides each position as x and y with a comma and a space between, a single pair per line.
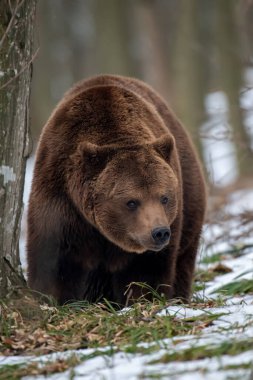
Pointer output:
27, 189
8, 173
242, 269
218, 148
181, 312
216, 103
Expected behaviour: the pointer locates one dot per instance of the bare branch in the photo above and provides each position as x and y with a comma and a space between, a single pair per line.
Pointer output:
19, 4
21, 71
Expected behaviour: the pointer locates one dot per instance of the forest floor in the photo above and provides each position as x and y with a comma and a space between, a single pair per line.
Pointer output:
211, 338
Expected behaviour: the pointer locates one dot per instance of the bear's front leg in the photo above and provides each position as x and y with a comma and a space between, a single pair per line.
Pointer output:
185, 266
54, 267
43, 254
148, 274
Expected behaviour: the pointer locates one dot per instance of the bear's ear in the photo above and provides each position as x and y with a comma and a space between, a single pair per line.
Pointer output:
164, 145
92, 158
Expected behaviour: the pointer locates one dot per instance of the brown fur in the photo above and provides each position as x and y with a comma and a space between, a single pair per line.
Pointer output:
109, 141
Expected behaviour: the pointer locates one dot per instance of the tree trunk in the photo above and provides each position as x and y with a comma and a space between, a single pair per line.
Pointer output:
16, 36
231, 77
190, 69
111, 37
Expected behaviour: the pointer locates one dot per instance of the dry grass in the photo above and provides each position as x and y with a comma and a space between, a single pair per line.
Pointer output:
28, 327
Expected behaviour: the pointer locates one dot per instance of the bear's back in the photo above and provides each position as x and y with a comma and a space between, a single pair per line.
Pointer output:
145, 92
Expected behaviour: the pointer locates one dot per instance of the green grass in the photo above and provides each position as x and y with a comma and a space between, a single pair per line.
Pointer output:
212, 259
26, 327
237, 287
203, 276
201, 352
164, 375
238, 366
235, 251
17, 371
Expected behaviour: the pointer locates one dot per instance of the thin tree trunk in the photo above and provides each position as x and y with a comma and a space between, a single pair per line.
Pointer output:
231, 77
111, 39
16, 36
189, 67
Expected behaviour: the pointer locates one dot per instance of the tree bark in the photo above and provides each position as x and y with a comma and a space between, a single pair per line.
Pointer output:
16, 37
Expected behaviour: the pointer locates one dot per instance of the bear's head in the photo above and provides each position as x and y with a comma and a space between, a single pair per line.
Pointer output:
130, 193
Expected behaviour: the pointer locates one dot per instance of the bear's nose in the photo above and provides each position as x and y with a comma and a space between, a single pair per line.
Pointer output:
161, 235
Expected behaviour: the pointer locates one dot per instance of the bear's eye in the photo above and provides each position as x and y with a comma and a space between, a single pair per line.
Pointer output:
132, 205
164, 200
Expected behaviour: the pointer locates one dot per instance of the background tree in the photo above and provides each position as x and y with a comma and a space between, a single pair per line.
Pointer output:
228, 44
190, 66
16, 56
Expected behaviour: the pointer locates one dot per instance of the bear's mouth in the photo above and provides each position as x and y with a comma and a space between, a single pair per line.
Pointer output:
149, 245
157, 248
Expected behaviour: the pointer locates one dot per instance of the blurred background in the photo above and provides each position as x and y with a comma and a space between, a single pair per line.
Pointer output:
197, 53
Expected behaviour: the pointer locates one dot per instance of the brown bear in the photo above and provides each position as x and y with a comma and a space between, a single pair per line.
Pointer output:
118, 197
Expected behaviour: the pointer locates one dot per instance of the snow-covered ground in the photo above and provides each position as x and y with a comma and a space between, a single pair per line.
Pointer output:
233, 323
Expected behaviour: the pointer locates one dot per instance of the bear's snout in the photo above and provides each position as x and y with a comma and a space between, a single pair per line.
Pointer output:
161, 235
